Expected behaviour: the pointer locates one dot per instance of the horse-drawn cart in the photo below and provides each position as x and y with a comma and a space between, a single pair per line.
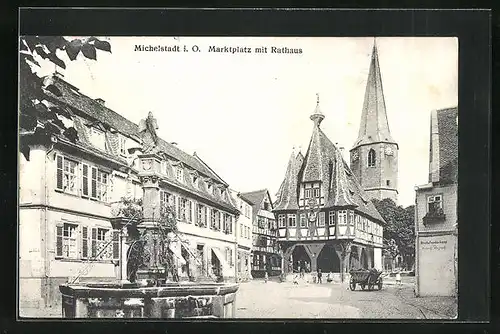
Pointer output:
365, 278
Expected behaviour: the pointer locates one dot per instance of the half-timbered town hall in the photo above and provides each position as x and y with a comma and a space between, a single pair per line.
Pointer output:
326, 219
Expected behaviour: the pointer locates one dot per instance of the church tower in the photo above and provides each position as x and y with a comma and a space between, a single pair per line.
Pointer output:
374, 157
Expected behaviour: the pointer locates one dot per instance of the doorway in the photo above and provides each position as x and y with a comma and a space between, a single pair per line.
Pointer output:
328, 260
300, 258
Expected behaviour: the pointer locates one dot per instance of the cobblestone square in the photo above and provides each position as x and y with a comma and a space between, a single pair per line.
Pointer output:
258, 299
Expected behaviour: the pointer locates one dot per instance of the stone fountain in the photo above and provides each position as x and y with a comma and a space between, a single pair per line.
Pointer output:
150, 295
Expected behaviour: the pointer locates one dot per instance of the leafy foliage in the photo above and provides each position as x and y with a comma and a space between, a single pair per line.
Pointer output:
399, 228
38, 116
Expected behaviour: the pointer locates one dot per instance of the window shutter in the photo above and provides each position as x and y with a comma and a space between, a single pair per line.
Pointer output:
94, 242
59, 240
85, 242
59, 175
93, 187
116, 245
85, 180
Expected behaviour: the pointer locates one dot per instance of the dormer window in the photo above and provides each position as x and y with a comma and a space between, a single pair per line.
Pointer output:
371, 158
195, 181
179, 174
97, 138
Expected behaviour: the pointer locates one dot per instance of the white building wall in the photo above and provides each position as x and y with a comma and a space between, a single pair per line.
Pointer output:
377, 258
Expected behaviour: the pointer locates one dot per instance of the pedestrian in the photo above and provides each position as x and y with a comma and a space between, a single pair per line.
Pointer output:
266, 277
298, 269
319, 276
398, 278
303, 272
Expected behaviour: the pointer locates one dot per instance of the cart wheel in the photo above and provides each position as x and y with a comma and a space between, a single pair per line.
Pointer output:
363, 287
352, 286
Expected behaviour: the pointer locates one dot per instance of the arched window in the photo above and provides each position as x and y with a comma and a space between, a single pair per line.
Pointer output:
371, 158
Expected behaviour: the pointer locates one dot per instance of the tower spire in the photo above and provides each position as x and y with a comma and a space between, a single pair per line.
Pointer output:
317, 115
374, 126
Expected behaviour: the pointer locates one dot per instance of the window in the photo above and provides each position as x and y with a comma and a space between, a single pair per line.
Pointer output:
266, 206
228, 224
182, 207
179, 174
342, 217
292, 221
97, 138
371, 158
122, 141
272, 224
321, 219
281, 221
261, 221
331, 218
307, 193
242, 231
99, 241
302, 220
104, 243
165, 198
95, 183
358, 222
316, 192
387, 183
201, 216
351, 218
102, 186
195, 181
66, 241
67, 175
435, 204
215, 222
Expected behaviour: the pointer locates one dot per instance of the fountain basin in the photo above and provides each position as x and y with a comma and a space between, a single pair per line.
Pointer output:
128, 300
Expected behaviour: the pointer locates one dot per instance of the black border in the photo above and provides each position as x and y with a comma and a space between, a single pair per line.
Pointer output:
473, 30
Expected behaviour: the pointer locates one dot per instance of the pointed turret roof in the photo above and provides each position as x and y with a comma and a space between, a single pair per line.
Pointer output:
374, 126
324, 163
287, 194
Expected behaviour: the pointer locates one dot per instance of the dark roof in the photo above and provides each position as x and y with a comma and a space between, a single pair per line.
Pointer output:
374, 126
256, 198
85, 111
324, 163
88, 106
287, 193
447, 128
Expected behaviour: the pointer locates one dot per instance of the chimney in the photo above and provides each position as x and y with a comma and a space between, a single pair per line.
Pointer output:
100, 101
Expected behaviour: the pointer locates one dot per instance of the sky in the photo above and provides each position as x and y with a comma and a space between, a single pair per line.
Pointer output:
244, 113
